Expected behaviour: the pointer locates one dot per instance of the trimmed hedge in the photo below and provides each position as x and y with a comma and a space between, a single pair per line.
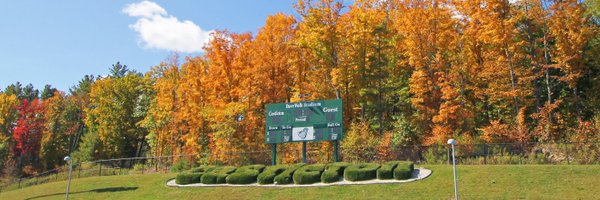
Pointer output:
404, 170
267, 176
361, 172
188, 178
285, 177
218, 175
309, 174
203, 169
245, 174
387, 170
333, 172
297, 173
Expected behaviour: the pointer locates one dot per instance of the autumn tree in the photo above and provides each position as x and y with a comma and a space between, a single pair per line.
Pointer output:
77, 101
192, 114
366, 59
430, 39
318, 37
55, 140
274, 59
8, 117
572, 32
226, 63
165, 131
28, 134
112, 114
360, 143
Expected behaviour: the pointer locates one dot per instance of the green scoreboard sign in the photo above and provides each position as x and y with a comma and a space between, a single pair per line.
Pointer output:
305, 121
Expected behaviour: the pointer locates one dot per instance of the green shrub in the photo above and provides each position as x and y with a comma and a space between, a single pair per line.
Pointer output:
285, 177
245, 174
387, 170
180, 166
188, 178
257, 167
138, 168
245, 177
267, 176
361, 172
218, 175
309, 174
404, 170
203, 169
333, 172
436, 154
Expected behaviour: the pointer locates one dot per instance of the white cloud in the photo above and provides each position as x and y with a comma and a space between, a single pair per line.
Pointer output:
144, 9
159, 30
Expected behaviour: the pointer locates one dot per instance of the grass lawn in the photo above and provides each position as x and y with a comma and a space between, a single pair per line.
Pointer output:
476, 182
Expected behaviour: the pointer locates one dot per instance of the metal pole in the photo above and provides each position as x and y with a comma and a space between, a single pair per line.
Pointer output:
274, 156
484, 154
455, 172
142, 163
70, 161
453, 143
69, 182
567, 153
304, 152
336, 146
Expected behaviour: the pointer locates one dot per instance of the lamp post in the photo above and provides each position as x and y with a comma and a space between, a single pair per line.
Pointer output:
452, 142
70, 161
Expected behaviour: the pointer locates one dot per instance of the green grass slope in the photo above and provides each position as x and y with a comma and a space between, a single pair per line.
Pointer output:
476, 182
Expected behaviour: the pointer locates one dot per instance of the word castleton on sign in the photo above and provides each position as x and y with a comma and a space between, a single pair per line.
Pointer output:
305, 121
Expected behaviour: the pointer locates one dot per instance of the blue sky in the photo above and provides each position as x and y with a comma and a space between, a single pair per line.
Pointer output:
58, 42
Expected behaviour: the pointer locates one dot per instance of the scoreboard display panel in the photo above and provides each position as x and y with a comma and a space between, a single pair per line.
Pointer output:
305, 121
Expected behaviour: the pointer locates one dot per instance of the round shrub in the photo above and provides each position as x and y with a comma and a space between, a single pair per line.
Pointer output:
387, 170
267, 176
285, 177
309, 174
361, 172
218, 175
188, 178
245, 175
333, 172
403, 170
203, 169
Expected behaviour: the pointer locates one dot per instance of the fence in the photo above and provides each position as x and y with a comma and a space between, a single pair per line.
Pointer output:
498, 153
484, 153
505, 153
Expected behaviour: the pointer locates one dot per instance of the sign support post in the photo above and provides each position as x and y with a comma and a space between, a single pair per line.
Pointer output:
336, 144
304, 152
274, 161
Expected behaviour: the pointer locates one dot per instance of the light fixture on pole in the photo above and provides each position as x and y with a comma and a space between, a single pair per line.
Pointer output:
70, 161
452, 142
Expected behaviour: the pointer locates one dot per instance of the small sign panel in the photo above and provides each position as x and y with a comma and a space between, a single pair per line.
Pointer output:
303, 134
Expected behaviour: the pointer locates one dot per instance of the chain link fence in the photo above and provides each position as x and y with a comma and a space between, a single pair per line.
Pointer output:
485, 153
467, 154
